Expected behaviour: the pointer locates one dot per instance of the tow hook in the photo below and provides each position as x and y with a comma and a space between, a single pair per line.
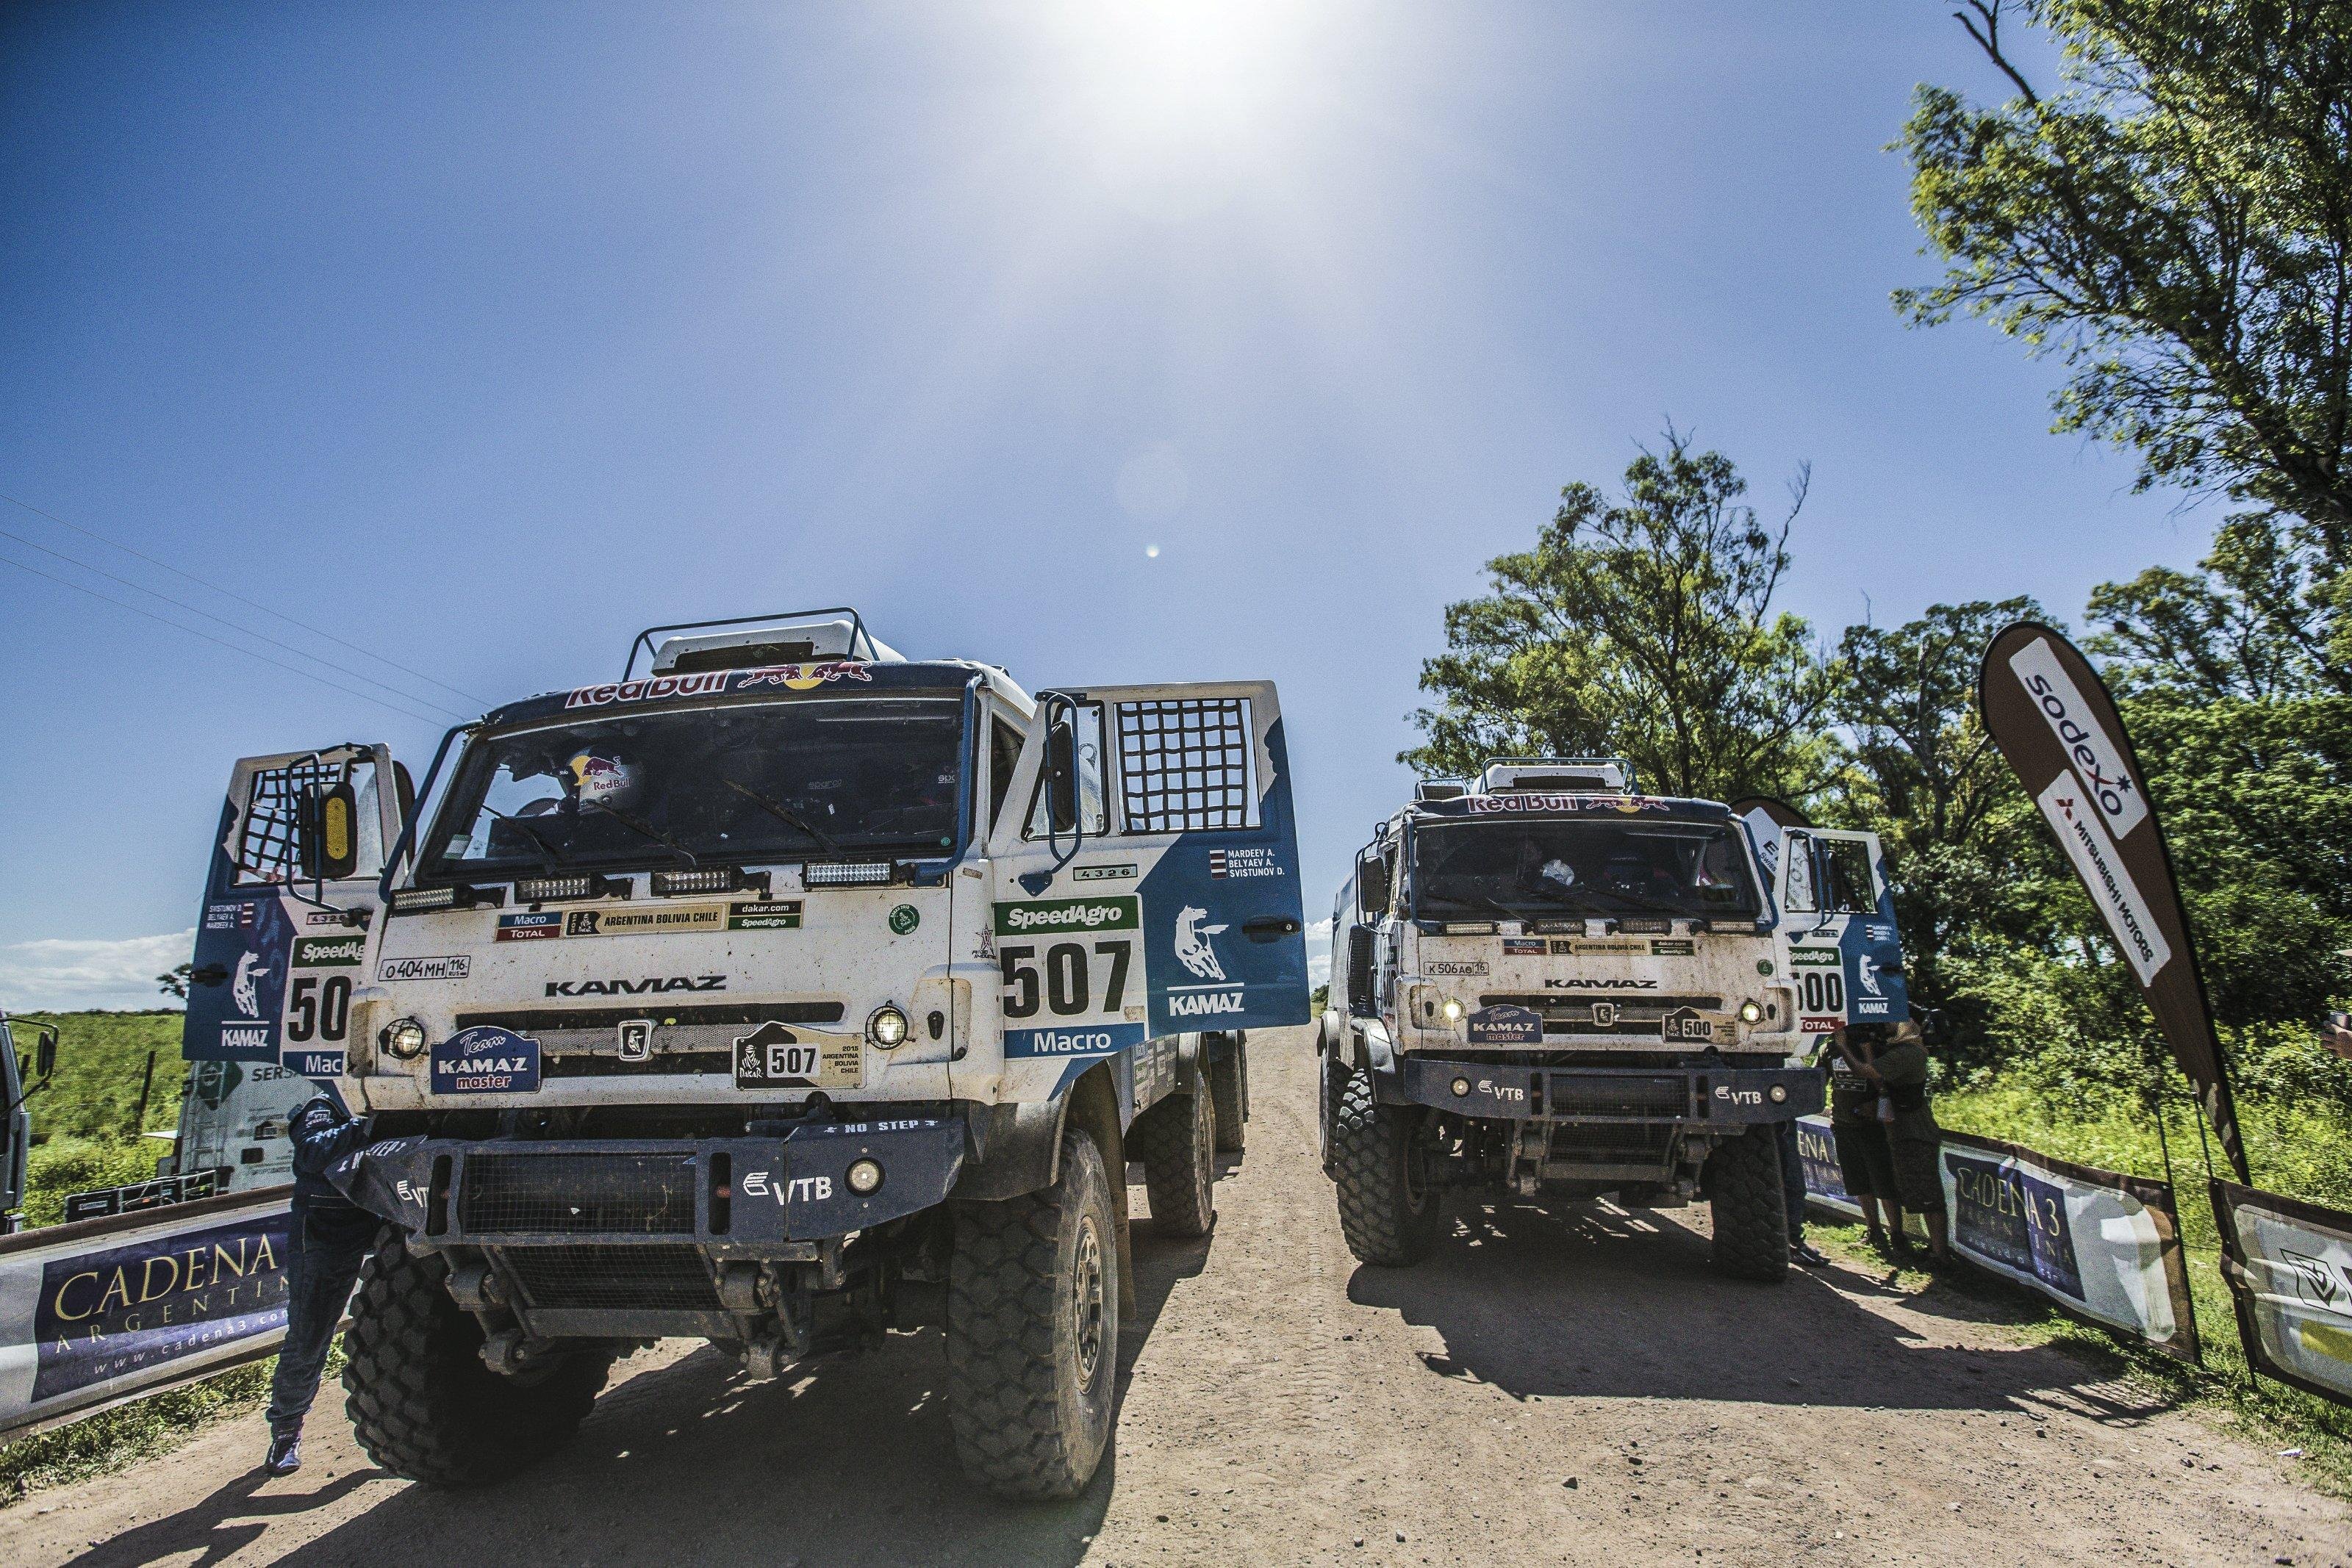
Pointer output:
776, 1352
509, 1352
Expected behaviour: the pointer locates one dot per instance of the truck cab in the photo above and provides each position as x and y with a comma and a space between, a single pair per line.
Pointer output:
19, 1080
1549, 984
759, 997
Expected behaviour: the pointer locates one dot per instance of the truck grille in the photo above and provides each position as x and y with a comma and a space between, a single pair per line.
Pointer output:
635, 1194
613, 1278
1615, 1095
1571, 1012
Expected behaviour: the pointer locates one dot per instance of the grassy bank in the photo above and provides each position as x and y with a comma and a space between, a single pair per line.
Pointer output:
2301, 1150
86, 1126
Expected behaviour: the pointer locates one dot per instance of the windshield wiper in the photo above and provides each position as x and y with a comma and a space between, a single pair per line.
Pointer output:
644, 829
548, 852
783, 814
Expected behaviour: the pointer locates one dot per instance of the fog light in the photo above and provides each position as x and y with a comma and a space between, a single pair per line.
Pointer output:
1461, 1087
1453, 1010
864, 1177
1779, 1093
887, 1027
1749, 1012
403, 1039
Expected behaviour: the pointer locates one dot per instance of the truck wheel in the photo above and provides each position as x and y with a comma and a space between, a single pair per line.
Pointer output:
1176, 1141
425, 1406
1229, 1093
1388, 1208
1032, 1331
1751, 1219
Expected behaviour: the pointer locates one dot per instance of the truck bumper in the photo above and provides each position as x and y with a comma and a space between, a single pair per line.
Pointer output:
1698, 1096
741, 1197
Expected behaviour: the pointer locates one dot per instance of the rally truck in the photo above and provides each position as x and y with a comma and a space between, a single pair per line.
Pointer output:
779, 994
1551, 986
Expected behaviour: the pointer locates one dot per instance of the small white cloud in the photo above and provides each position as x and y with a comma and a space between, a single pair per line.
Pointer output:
1318, 952
59, 976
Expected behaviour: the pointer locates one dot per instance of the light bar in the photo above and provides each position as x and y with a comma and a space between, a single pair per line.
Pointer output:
570, 886
1469, 928
425, 900
711, 879
1648, 926
847, 873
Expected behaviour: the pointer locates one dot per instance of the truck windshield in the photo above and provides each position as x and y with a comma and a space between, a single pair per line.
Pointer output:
796, 780
1528, 868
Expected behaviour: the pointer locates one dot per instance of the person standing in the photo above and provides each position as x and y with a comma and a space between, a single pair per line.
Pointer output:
327, 1241
1914, 1143
1865, 1159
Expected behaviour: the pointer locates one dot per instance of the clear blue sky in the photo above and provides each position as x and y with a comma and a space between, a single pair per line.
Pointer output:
485, 335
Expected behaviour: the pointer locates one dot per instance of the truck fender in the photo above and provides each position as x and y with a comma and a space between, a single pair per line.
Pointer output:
1020, 1146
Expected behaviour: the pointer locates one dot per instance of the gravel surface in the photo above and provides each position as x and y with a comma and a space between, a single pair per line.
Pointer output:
1546, 1388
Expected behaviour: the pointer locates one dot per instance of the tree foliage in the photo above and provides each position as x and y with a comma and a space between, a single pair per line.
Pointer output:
1642, 627
2173, 218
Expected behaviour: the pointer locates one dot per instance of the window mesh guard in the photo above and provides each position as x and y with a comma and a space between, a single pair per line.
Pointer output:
266, 849
1186, 764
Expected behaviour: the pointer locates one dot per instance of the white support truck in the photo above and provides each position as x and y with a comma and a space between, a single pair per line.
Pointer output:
783, 993
19, 1081
1548, 984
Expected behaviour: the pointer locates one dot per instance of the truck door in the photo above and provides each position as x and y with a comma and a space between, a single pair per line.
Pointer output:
1148, 886
290, 899
1837, 921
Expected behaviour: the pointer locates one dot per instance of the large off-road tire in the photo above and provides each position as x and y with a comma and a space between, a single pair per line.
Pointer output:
1032, 1331
1176, 1141
1751, 1217
425, 1406
1388, 1209
1229, 1093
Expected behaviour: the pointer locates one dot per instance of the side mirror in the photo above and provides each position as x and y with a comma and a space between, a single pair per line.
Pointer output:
44, 1051
1062, 777
1364, 973
1373, 890
328, 849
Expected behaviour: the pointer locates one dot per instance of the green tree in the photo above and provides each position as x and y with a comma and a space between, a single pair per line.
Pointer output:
1921, 772
1641, 627
2173, 218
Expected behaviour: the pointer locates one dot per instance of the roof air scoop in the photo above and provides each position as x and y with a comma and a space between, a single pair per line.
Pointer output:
1557, 776
753, 641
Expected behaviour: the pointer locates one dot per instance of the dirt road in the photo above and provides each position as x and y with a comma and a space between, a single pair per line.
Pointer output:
1576, 1389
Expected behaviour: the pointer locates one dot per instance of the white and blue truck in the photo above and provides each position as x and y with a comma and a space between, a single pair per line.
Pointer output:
1549, 986
785, 993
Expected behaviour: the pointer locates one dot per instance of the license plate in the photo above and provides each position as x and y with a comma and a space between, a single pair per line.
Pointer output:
775, 1057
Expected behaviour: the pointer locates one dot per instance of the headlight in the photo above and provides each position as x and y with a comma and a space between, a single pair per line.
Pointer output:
403, 1039
1453, 1010
1751, 1013
1779, 1092
1461, 1087
864, 1177
887, 1027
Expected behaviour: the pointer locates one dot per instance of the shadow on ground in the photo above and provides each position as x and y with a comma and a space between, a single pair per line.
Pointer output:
1601, 1302
852, 1462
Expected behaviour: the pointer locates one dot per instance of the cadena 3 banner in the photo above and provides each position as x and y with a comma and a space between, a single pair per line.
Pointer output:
2101, 1245
2289, 1267
94, 1313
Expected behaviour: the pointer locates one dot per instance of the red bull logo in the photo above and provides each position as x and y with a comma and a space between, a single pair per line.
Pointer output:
803, 677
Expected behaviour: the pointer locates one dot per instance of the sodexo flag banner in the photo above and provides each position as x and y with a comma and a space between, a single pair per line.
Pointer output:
2050, 713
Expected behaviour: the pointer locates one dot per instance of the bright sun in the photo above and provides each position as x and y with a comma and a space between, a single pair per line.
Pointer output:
1175, 99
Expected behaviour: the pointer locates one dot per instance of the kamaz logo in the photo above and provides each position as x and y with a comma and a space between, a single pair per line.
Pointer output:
1558, 985
1739, 1096
1193, 1004
637, 987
